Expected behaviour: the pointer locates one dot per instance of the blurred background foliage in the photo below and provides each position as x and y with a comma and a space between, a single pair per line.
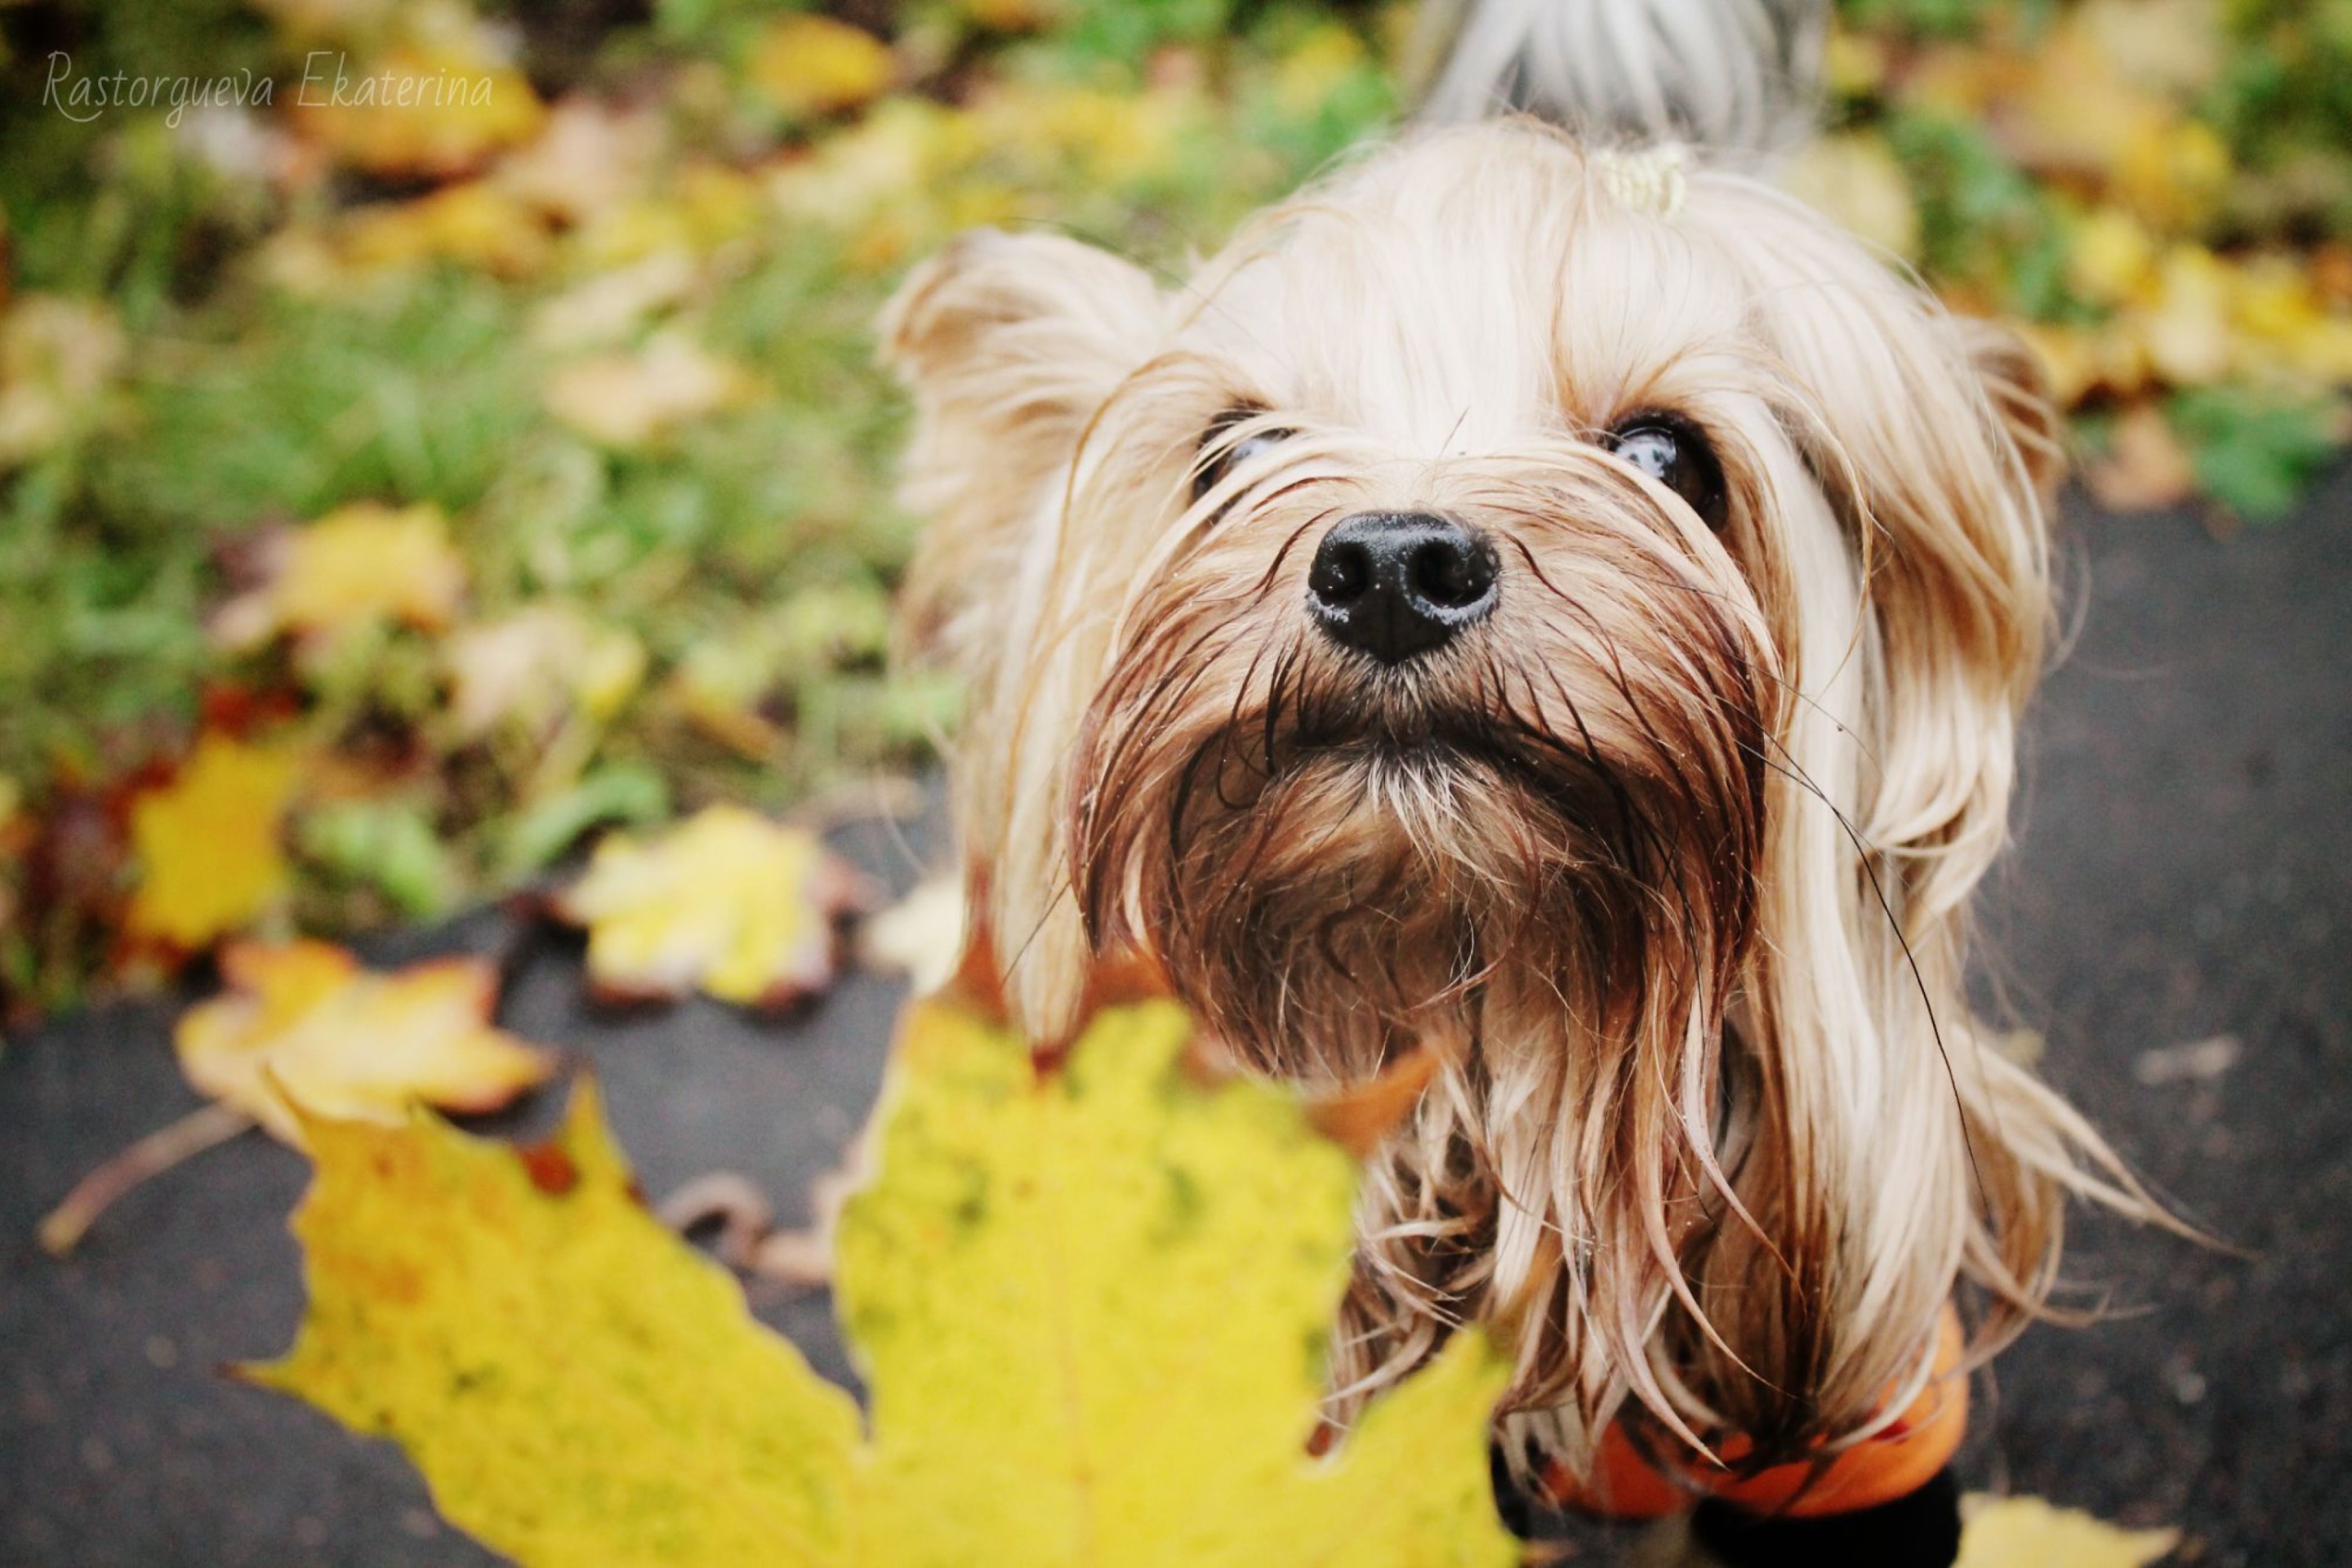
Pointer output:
431, 431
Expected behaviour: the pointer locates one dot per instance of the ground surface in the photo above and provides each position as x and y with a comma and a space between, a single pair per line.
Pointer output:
2183, 874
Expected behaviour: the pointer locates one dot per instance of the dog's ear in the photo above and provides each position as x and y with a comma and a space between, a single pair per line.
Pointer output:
2018, 383
1009, 343
1890, 1142
1937, 442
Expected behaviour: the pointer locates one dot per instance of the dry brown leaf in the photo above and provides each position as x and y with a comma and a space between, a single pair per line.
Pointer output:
631, 399
2146, 467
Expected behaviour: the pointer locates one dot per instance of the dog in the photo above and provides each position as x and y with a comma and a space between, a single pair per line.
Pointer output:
1550, 606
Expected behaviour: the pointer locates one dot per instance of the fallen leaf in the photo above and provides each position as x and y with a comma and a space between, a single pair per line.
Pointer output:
2187, 330
587, 156
2145, 467
2030, 1532
432, 109
303, 1025
1090, 1308
2195, 1062
2110, 256
1855, 179
808, 64
920, 936
728, 901
208, 843
358, 565
612, 305
57, 355
537, 664
696, 209
475, 222
303, 1032
627, 400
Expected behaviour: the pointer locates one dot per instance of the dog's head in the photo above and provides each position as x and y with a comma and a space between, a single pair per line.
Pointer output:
1553, 611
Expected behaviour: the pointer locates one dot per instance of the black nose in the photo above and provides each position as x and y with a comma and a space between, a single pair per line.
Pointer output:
1398, 584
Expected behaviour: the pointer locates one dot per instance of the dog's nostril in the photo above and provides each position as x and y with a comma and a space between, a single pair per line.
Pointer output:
1453, 572
1342, 574
1394, 584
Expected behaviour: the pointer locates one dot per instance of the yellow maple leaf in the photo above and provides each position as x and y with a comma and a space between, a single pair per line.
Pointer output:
1090, 1307
728, 901
303, 1025
808, 64
358, 566
2029, 1532
207, 843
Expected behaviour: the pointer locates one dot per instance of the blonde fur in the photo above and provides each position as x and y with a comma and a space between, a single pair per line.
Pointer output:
1670, 859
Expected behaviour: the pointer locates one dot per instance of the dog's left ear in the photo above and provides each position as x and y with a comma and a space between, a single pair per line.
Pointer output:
1010, 343
1941, 448
2014, 379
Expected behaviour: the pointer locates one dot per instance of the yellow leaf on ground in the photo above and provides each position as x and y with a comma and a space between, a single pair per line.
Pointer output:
358, 566
476, 223
726, 900
2145, 467
629, 399
577, 1385
429, 110
2110, 256
207, 842
921, 936
57, 355
588, 155
1090, 1307
302, 1023
538, 665
2187, 332
1855, 179
2028, 1533
808, 64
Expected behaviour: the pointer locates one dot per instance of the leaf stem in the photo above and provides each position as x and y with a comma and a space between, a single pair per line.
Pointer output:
151, 1156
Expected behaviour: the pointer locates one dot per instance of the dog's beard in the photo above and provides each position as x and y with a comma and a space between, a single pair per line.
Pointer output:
1335, 863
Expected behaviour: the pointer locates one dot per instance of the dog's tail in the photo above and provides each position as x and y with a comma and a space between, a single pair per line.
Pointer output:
1737, 81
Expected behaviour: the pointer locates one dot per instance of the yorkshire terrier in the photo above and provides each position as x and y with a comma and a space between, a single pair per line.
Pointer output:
1543, 604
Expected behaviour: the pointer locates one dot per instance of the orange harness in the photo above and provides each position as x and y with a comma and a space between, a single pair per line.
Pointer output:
1626, 1483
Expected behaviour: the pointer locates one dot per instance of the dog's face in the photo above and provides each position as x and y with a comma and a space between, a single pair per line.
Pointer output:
1510, 605
1442, 670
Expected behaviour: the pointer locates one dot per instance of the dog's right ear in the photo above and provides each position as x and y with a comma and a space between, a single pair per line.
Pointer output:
1009, 343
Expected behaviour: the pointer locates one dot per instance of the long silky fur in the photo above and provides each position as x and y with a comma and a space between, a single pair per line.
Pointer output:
1669, 859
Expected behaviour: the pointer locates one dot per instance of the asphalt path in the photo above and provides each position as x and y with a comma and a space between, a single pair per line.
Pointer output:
2180, 880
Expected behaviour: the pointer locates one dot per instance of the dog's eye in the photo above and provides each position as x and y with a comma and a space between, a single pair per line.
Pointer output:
1674, 452
1221, 455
